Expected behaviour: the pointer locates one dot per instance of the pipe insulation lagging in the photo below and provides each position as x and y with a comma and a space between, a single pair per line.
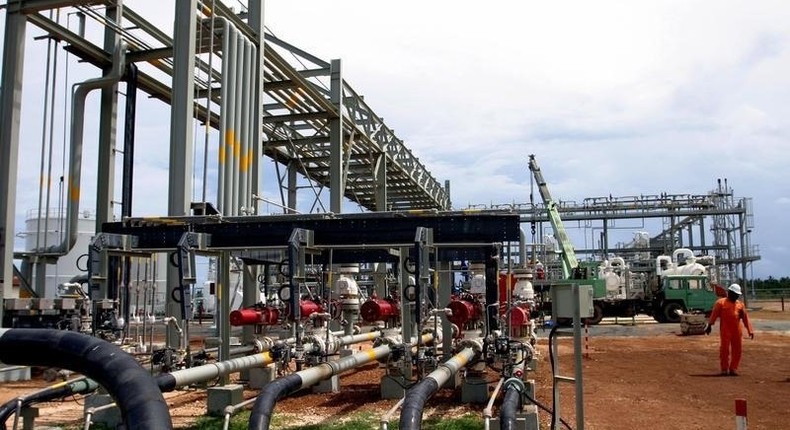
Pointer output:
133, 388
80, 385
510, 406
417, 396
260, 418
180, 378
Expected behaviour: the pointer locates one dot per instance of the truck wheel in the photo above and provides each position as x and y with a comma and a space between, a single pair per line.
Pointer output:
597, 315
670, 312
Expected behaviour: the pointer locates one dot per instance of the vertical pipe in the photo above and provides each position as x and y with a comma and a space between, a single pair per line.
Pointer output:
182, 120
251, 127
238, 70
128, 141
245, 123
223, 116
230, 134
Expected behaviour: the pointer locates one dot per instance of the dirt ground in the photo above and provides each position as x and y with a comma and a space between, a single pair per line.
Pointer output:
653, 378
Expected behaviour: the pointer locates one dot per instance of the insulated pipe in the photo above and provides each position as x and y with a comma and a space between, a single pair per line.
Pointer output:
134, 390
170, 381
411, 417
511, 403
488, 411
62, 389
252, 161
239, 113
522, 248
223, 115
260, 418
81, 92
245, 124
230, 132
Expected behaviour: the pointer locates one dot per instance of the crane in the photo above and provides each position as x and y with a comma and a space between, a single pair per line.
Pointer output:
569, 262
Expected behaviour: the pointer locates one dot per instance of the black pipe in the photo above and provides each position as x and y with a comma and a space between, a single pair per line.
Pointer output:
510, 405
261, 415
128, 141
492, 290
411, 412
56, 391
132, 387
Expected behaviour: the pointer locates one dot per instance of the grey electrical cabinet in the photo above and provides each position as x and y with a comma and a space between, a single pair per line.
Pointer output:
562, 301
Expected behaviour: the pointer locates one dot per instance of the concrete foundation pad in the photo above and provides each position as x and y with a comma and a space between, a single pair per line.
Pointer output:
260, 376
392, 387
14, 373
474, 390
111, 417
527, 420
221, 397
331, 385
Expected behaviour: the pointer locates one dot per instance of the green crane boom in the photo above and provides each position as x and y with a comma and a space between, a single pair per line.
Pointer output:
569, 261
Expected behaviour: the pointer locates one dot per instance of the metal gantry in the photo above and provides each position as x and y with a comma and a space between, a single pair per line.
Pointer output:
717, 224
305, 117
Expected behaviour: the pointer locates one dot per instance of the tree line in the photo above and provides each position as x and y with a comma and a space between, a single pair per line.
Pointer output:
772, 286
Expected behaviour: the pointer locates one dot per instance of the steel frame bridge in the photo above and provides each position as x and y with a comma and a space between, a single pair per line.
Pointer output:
306, 116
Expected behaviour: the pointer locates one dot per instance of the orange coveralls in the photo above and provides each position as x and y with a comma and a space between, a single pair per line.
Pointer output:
731, 314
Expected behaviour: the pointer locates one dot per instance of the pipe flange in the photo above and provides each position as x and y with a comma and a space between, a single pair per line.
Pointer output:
516, 384
258, 344
475, 344
390, 341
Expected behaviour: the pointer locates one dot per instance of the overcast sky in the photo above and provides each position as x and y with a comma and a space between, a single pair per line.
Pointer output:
613, 97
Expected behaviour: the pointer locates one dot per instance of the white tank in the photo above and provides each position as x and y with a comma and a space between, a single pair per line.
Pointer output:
43, 232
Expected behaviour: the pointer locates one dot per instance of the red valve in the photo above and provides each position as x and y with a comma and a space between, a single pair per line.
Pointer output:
265, 316
379, 310
464, 311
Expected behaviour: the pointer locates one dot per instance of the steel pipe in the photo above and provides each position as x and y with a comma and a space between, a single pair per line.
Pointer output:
223, 115
511, 403
81, 92
411, 417
488, 411
260, 418
134, 390
179, 378
79, 385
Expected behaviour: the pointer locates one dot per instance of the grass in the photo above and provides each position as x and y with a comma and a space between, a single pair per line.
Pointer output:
361, 421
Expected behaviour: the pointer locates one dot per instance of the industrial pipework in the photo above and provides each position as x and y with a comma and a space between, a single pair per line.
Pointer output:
134, 390
81, 92
79, 385
514, 387
411, 417
260, 418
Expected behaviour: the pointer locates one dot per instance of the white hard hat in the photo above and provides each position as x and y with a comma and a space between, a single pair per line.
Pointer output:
735, 288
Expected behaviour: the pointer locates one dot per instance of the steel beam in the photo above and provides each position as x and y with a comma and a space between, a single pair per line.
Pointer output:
10, 110
337, 185
33, 6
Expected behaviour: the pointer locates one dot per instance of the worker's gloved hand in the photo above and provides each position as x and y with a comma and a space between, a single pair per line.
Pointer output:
708, 328
751, 336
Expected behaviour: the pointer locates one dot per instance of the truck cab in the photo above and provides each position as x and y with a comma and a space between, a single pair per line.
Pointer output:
683, 293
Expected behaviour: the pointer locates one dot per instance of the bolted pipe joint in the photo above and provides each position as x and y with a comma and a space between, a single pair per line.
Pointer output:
475, 344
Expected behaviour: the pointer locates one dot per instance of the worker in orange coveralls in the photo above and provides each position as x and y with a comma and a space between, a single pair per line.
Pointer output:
732, 312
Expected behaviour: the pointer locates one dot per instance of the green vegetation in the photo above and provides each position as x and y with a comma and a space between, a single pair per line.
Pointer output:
770, 288
362, 421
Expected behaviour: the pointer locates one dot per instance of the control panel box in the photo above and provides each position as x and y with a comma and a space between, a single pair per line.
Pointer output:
562, 301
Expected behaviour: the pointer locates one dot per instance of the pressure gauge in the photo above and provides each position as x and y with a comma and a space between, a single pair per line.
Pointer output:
285, 293
410, 293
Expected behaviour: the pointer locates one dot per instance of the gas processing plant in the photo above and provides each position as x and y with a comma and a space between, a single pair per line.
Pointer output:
440, 297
